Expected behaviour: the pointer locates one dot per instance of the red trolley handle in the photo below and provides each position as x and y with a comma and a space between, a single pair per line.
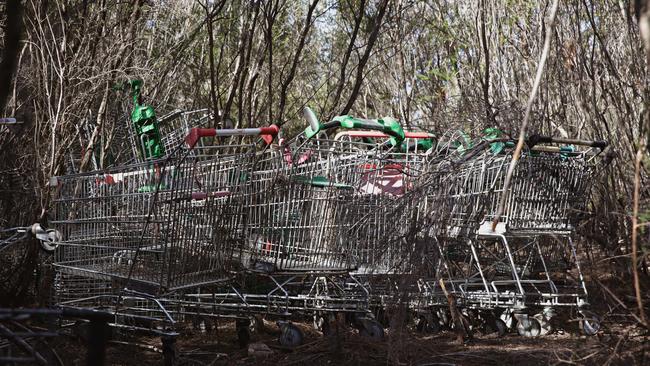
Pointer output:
266, 133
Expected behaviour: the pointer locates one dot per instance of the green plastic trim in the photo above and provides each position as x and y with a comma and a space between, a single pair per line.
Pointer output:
151, 188
387, 125
315, 126
321, 182
492, 133
309, 133
393, 128
461, 145
144, 122
566, 151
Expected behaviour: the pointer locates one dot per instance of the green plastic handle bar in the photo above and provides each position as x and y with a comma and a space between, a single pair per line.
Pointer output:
387, 125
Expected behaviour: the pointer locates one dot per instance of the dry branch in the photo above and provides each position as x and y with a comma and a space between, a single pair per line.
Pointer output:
529, 106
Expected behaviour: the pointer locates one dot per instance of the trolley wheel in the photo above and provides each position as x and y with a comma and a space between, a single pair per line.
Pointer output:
528, 326
290, 335
508, 319
590, 324
243, 332
544, 323
427, 324
490, 323
372, 329
500, 327
50, 241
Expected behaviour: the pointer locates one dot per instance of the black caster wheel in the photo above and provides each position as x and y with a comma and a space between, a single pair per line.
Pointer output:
421, 324
590, 323
492, 324
290, 335
500, 327
51, 241
383, 318
545, 324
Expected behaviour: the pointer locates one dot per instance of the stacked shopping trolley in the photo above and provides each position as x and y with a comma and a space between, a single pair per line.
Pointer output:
350, 216
137, 237
516, 269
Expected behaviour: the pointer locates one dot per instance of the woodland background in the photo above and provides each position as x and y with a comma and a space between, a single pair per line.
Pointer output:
433, 65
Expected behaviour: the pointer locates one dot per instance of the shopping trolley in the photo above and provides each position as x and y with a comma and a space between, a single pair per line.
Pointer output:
388, 173
24, 340
528, 264
22, 336
385, 175
135, 238
296, 250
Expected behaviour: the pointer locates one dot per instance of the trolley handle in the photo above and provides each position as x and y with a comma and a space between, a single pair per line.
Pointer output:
378, 134
266, 133
538, 139
386, 125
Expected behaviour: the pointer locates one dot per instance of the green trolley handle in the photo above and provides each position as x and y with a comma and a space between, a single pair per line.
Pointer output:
387, 125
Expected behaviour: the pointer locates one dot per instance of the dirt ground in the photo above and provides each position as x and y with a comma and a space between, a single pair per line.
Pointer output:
616, 344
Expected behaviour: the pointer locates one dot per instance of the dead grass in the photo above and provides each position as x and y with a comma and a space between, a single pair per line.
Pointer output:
617, 345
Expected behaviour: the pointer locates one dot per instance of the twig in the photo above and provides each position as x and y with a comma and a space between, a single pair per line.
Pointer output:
529, 106
635, 219
580, 360
138, 345
617, 299
615, 353
305, 360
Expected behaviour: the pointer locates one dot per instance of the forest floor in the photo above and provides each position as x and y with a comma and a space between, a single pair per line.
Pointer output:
616, 344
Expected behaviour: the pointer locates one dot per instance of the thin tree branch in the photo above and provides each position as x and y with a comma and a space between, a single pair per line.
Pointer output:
529, 106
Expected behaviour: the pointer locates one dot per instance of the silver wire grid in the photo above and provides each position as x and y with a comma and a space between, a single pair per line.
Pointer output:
160, 225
